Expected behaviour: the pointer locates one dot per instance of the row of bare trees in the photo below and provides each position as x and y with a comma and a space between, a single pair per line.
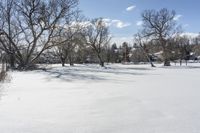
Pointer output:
93, 34
30, 27
161, 28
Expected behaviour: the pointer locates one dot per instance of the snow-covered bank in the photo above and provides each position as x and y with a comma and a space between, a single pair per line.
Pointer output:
90, 99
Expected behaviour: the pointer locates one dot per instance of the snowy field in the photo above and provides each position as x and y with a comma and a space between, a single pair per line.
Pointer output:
90, 99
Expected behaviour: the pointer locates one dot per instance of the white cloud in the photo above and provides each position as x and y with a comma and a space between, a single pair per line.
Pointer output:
177, 17
106, 20
190, 34
130, 8
186, 25
120, 24
139, 23
82, 24
116, 23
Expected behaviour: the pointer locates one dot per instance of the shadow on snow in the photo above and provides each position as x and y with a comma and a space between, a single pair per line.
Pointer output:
92, 73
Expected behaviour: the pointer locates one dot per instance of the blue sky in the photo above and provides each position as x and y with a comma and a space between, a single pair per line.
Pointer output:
124, 15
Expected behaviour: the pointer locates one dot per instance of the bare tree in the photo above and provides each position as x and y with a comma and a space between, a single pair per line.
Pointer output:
183, 47
141, 41
196, 46
7, 24
197, 40
160, 25
125, 52
97, 37
67, 49
69, 40
36, 23
114, 53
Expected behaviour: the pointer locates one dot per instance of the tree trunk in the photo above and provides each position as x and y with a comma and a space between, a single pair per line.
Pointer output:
166, 58
152, 65
12, 61
167, 62
147, 56
166, 53
63, 64
150, 61
21, 65
3, 68
101, 62
71, 63
62, 61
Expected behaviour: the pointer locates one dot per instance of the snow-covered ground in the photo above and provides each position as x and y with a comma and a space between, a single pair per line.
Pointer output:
90, 99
